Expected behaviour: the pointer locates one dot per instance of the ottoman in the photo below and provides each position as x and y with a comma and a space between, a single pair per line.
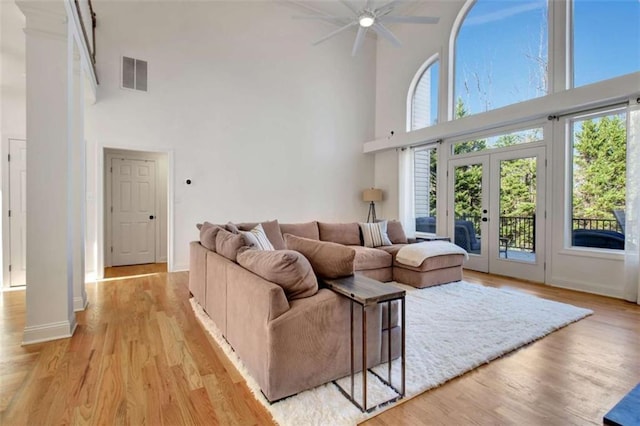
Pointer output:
434, 269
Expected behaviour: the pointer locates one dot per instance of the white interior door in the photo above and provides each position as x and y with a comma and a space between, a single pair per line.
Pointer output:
496, 211
18, 211
133, 196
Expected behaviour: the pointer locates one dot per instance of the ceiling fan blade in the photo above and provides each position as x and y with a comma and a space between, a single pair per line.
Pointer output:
350, 6
384, 32
410, 19
322, 18
362, 32
386, 8
322, 15
334, 33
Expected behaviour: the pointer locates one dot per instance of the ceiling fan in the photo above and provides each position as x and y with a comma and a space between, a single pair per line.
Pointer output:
367, 18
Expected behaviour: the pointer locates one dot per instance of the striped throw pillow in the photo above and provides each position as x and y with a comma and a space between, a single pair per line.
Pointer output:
375, 234
257, 238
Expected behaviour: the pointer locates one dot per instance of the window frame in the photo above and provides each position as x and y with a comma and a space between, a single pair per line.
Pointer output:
414, 84
569, 120
554, 11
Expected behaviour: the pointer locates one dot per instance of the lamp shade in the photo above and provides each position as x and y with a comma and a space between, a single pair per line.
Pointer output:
372, 194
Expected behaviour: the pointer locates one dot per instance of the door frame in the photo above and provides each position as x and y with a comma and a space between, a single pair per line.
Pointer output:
104, 218
489, 260
6, 231
500, 266
546, 143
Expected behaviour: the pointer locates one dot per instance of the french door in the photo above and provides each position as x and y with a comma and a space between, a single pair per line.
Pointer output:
496, 211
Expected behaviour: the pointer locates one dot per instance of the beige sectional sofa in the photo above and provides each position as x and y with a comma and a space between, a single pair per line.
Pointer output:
290, 345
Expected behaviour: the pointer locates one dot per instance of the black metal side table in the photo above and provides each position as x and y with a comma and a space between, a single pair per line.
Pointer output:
367, 292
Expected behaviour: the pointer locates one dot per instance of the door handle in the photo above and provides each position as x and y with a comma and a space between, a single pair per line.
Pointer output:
152, 217
484, 219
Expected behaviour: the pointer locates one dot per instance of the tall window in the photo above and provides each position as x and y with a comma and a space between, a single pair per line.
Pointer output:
599, 180
424, 102
500, 55
425, 186
606, 39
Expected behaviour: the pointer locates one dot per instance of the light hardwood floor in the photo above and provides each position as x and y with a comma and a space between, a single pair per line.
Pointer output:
140, 357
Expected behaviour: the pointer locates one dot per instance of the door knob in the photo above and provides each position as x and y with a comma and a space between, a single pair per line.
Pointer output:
152, 217
484, 219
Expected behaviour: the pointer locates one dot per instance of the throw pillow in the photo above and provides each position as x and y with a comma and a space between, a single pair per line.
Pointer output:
208, 236
257, 238
287, 268
396, 233
271, 229
375, 234
228, 244
329, 260
231, 227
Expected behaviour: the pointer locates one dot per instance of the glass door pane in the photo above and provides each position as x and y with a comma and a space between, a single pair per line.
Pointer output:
468, 207
517, 221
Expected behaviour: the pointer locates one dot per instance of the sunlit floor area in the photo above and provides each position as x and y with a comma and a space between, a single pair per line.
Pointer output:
139, 356
133, 270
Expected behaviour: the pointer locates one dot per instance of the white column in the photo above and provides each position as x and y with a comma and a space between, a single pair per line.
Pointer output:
49, 294
77, 155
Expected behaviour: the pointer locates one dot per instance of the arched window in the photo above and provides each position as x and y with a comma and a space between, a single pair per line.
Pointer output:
423, 96
500, 55
606, 40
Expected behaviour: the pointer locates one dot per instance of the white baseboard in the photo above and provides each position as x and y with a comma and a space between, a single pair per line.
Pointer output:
586, 287
179, 268
48, 332
80, 303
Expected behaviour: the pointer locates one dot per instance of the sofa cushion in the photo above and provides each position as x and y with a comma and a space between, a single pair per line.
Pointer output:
257, 238
287, 268
396, 232
228, 244
271, 228
329, 260
370, 258
392, 249
208, 234
341, 233
305, 230
231, 227
375, 234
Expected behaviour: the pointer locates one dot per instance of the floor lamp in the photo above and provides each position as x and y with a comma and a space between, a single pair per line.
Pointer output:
372, 195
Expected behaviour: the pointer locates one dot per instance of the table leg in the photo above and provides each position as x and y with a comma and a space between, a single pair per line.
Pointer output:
403, 343
352, 355
389, 340
364, 359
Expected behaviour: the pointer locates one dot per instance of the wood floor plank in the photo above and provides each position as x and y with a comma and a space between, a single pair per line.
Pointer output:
139, 356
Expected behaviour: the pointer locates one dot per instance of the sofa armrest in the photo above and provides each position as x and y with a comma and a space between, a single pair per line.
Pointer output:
252, 302
197, 271
310, 343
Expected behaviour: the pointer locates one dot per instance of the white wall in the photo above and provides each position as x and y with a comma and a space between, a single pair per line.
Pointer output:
264, 124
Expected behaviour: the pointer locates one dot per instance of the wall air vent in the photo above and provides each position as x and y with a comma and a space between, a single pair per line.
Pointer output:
134, 74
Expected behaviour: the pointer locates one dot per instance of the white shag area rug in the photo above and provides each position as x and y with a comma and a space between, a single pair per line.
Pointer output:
450, 329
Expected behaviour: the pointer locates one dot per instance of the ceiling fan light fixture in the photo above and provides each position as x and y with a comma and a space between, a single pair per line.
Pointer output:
366, 20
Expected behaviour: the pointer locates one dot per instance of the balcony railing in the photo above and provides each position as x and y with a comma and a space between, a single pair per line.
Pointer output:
521, 230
